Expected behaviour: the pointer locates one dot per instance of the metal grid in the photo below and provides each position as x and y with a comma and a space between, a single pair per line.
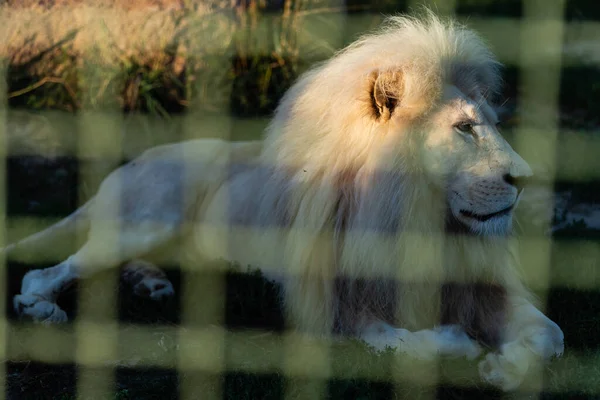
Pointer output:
202, 351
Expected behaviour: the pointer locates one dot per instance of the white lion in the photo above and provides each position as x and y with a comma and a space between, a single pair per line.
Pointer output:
381, 198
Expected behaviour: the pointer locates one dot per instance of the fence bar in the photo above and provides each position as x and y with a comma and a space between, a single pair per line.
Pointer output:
542, 30
99, 150
3, 197
202, 337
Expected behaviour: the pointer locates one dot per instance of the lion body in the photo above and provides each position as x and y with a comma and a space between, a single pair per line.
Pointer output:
346, 202
247, 220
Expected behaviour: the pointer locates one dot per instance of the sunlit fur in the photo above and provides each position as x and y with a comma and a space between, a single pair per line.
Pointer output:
364, 202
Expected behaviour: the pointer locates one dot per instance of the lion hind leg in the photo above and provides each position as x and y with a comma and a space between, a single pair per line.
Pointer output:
427, 344
39, 291
147, 280
55, 242
98, 253
38, 309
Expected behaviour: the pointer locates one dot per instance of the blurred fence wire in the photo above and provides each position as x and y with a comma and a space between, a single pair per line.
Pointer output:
103, 42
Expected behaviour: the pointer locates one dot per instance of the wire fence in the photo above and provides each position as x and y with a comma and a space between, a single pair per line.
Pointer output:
201, 348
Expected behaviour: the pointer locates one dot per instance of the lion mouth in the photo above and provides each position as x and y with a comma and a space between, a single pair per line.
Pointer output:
485, 217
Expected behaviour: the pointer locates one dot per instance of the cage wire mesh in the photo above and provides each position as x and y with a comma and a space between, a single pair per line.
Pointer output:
202, 348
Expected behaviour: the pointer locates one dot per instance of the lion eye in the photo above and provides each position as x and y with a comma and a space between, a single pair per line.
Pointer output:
465, 128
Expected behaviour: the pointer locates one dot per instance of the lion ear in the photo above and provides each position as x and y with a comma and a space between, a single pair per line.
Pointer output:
386, 92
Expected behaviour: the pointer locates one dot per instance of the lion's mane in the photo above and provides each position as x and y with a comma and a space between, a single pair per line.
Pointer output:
368, 233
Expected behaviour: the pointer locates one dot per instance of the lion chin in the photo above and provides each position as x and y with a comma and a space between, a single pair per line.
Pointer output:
497, 223
381, 198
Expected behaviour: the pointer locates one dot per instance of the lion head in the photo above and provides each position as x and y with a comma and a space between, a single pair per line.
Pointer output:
463, 151
414, 98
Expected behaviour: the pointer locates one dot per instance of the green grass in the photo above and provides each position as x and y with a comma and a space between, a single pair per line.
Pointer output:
254, 358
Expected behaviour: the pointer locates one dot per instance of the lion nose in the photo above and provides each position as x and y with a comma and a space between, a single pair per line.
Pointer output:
517, 182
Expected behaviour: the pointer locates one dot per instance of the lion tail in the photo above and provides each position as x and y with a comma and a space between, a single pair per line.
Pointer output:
53, 244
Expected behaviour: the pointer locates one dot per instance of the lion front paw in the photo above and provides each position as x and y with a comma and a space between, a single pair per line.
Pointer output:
452, 341
503, 372
508, 368
546, 340
427, 344
38, 309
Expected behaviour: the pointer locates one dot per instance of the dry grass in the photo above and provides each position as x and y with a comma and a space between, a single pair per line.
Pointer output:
111, 34
122, 54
